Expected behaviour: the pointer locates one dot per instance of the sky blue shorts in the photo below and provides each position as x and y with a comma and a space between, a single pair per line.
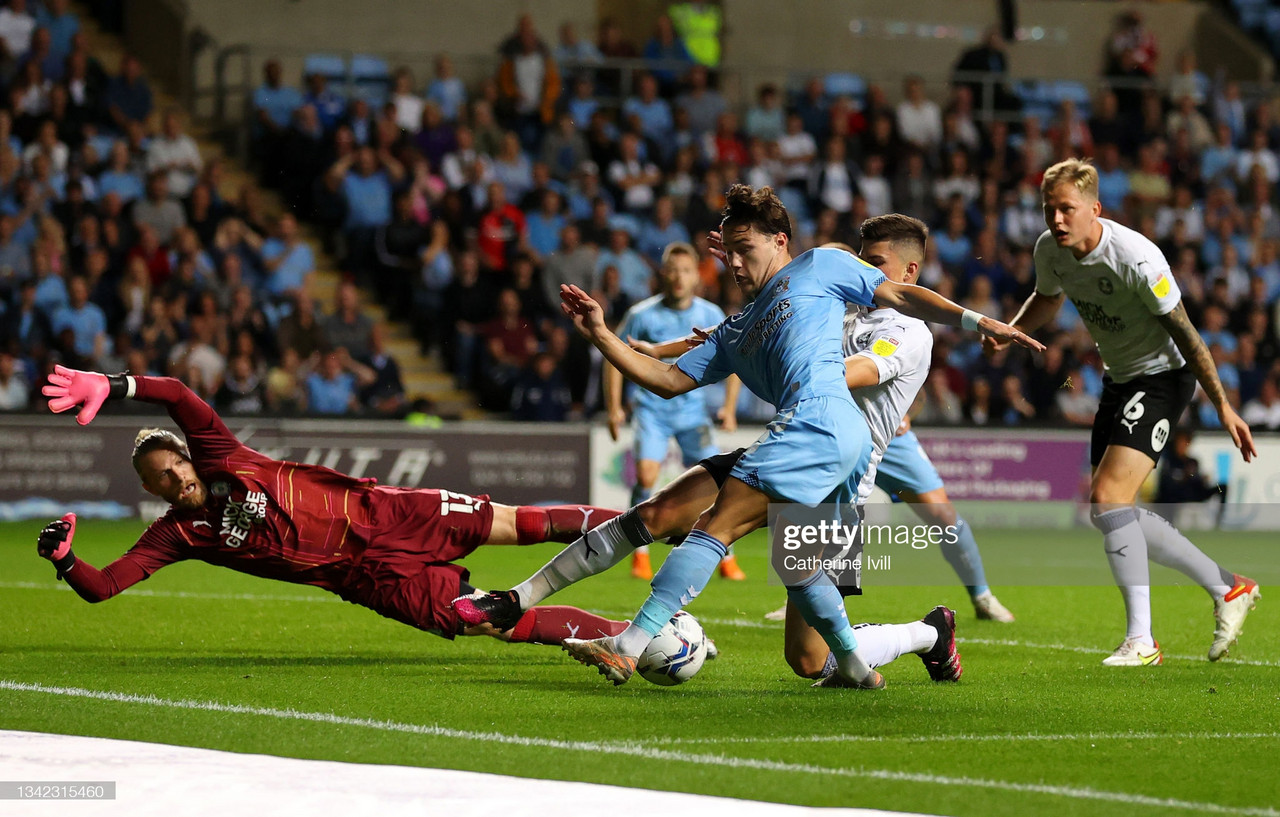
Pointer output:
653, 432
905, 467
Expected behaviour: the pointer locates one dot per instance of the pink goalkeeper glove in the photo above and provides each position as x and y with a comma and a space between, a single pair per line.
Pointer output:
69, 388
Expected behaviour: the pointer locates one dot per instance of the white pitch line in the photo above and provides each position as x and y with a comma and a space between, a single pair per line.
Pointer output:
640, 750
177, 594
1002, 642
973, 738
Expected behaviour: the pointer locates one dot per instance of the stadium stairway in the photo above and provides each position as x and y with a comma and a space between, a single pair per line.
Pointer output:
423, 376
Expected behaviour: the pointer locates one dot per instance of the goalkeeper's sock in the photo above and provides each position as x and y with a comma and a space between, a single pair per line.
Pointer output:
1167, 546
881, 644
594, 552
963, 556
684, 575
558, 523
553, 624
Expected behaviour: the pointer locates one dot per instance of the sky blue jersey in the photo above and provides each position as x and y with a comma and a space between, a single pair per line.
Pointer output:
653, 321
786, 344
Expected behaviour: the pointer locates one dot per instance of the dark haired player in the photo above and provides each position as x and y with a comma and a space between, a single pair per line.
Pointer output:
786, 347
389, 549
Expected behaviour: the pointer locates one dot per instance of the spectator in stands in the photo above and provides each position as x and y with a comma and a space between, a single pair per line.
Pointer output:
15, 258
332, 387
766, 120
668, 55
62, 24
502, 230
1133, 48
529, 86
469, 303
447, 90
661, 230
399, 247
573, 49
243, 391
175, 153
29, 98
128, 95
724, 145
509, 342
287, 260
913, 189
919, 118
159, 211
574, 263
16, 26
540, 393
563, 148
545, 225
988, 58
273, 107
15, 392
300, 331
385, 395
329, 105
512, 168
1258, 153
703, 104
347, 327
1264, 410
197, 361
634, 275
834, 180
654, 112
364, 180
634, 177
85, 319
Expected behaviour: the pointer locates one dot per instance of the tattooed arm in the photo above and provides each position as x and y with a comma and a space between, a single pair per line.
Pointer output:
1189, 342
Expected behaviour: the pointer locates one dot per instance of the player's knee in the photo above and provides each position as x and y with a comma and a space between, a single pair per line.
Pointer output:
1108, 518
662, 517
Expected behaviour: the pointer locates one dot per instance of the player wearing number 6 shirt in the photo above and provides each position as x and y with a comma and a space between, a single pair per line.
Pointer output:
1123, 289
389, 549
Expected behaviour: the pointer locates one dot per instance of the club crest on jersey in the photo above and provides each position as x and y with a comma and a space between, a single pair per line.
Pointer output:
783, 286
1105, 286
862, 340
238, 518
220, 489
885, 346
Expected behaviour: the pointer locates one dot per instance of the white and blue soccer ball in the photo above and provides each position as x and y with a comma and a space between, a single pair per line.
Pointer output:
676, 653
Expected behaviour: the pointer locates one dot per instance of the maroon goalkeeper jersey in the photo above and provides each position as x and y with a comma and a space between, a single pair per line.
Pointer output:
297, 523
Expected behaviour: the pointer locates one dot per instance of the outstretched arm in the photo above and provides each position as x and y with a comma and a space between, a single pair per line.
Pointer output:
87, 391
1189, 342
927, 305
663, 379
93, 585
1037, 311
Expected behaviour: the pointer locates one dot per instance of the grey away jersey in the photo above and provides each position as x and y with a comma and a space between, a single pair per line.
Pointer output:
1118, 289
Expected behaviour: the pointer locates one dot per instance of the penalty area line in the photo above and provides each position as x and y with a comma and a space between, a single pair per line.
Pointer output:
639, 749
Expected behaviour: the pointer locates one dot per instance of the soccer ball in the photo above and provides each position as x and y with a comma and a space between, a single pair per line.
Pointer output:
676, 653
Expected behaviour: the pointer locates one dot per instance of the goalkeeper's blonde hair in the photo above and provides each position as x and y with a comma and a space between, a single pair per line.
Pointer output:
156, 439
1078, 173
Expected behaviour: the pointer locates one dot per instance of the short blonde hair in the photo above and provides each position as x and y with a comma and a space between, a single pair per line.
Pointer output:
154, 439
1078, 173
679, 248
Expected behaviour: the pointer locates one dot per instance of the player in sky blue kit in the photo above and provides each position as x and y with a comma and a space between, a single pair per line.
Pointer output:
786, 347
672, 313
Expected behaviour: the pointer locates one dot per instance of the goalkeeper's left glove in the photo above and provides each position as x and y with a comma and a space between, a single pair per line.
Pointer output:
54, 543
69, 388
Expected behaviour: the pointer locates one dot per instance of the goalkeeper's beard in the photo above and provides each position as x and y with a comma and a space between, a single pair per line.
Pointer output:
190, 501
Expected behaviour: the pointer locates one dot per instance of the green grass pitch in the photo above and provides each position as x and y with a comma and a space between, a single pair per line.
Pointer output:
1036, 725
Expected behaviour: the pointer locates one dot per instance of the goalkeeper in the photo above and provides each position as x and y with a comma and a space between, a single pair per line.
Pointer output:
392, 550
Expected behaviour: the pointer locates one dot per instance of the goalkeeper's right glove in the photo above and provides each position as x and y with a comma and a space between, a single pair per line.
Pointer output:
54, 543
69, 388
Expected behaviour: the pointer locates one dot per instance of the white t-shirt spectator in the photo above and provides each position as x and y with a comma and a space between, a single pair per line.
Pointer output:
180, 157
409, 111
877, 193
1259, 415
1264, 157
15, 30
637, 196
796, 150
920, 124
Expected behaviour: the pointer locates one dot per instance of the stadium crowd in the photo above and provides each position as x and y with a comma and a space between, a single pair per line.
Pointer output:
464, 208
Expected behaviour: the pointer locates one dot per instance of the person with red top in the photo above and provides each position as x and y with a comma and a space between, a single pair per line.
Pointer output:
502, 230
390, 549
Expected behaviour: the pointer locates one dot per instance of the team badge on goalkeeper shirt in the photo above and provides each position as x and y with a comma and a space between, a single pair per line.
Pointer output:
885, 346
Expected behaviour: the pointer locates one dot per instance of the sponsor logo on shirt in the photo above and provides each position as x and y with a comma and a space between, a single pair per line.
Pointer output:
238, 518
766, 326
885, 346
1096, 315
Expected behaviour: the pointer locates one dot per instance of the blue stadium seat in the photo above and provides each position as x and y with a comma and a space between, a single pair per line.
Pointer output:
371, 77
839, 83
1074, 91
331, 66
1037, 99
